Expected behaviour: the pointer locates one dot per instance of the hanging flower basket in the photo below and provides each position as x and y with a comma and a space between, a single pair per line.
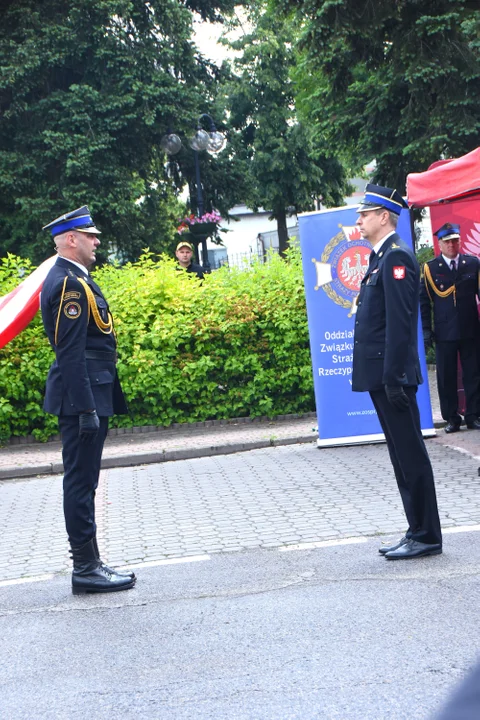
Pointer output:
203, 229
203, 226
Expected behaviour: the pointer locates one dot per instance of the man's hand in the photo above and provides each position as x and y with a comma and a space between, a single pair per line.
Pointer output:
88, 425
397, 397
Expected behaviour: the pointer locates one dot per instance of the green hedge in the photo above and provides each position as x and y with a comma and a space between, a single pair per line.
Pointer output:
235, 345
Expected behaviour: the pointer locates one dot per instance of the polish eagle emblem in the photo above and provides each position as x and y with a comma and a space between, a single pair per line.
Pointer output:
342, 266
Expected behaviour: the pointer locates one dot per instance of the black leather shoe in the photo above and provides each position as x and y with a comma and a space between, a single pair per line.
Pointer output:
413, 549
90, 575
383, 550
452, 427
474, 425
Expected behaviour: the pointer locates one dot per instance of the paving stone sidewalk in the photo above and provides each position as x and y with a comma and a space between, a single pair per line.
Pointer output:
176, 443
285, 492
268, 498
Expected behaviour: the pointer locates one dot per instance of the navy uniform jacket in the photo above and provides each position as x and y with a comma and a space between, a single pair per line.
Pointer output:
77, 383
385, 343
454, 317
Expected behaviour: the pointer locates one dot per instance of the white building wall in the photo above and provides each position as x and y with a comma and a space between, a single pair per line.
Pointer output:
242, 241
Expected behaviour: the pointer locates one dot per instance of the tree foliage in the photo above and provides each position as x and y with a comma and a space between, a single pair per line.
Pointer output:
398, 82
212, 11
87, 89
289, 168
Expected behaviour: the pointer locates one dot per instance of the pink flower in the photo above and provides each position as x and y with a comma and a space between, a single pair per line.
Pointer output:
213, 217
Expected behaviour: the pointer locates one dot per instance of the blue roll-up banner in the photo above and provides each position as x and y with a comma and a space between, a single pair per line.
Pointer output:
335, 259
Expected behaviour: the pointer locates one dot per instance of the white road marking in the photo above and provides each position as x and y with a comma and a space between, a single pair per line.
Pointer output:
461, 529
324, 543
169, 561
21, 581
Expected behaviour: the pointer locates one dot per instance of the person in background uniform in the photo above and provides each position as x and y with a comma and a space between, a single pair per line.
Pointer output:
386, 364
82, 389
451, 286
184, 254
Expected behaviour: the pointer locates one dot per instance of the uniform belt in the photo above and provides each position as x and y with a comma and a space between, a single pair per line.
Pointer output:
100, 355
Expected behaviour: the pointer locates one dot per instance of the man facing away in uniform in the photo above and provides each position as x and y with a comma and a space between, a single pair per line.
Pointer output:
386, 364
451, 286
82, 389
184, 254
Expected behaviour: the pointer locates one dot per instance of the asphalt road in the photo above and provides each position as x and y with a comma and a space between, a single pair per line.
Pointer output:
335, 632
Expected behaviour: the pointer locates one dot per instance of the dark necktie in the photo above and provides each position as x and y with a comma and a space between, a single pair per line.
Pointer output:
453, 266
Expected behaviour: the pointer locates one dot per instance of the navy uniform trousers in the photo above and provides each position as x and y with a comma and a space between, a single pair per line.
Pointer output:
81, 463
446, 356
411, 465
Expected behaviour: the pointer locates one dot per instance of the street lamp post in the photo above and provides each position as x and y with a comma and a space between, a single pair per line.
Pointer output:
210, 140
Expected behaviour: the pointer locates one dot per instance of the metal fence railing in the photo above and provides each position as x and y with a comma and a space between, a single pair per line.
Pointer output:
238, 260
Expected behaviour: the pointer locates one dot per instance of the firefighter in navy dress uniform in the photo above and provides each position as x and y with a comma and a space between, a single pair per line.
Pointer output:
451, 286
386, 364
82, 389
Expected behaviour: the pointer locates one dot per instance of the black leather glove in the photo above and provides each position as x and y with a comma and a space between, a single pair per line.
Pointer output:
88, 425
397, 397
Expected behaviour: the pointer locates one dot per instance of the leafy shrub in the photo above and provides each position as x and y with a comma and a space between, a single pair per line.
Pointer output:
424, 254
233, 345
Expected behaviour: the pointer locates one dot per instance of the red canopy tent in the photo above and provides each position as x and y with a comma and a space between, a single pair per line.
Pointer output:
451, 189
445, 181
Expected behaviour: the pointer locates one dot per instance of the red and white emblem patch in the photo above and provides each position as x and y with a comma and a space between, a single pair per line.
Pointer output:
72, 310
399, 272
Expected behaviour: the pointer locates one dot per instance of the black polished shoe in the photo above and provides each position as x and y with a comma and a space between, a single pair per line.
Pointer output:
452, 427
386, 548
413, 549
90, 575
473, 425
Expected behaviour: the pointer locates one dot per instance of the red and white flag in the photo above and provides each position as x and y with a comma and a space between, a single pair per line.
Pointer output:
20, 306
